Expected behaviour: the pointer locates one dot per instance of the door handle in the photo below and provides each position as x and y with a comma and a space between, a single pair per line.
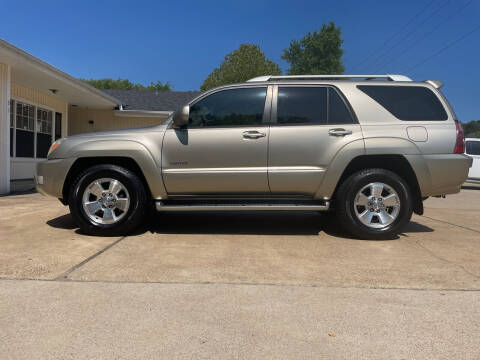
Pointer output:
339, 132
253, 134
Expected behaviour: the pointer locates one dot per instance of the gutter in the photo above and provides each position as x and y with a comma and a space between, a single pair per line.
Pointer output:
141, 113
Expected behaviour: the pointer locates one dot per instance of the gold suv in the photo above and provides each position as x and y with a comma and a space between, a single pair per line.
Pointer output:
369, 147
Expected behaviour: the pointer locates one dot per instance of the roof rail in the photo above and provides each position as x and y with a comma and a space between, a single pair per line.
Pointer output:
389, 77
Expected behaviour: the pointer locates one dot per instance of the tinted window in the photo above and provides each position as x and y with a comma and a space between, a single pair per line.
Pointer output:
235, 107
302, 105
337, 110
24, 143
473, 147
43, 144
11, 141
407, 102
58, 126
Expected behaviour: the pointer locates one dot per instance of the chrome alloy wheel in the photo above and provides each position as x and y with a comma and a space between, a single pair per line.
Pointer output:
106, 201
377, 205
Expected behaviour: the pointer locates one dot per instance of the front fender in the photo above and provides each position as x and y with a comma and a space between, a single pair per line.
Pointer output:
149, 164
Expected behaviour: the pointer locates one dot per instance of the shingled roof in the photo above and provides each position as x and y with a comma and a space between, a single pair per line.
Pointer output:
152, 100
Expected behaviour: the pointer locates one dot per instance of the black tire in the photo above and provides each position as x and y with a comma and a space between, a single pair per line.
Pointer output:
135, 213
344, 204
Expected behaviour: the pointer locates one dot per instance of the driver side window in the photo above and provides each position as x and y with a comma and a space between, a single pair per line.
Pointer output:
234, 107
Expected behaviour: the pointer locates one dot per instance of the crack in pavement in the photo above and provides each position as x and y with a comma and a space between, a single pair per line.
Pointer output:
210, 283
64, 275
432, 253
449, 223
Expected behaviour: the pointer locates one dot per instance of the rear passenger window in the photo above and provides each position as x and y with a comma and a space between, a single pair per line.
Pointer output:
472, 147
408, 103
302, 105
338, 112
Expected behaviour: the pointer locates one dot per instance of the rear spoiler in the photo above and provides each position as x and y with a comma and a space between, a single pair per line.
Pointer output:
437, 84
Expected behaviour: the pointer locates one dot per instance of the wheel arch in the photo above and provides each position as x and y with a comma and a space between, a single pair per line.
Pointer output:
396, 163
83, 163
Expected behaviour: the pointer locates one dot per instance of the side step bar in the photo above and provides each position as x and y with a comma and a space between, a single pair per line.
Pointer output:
162, 206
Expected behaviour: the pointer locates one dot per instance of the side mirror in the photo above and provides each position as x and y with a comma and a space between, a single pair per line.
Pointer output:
180, 117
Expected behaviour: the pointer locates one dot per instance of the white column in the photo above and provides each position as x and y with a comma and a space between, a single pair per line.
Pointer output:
4, 129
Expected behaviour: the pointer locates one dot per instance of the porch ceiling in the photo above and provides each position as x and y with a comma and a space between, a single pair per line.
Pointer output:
32, 72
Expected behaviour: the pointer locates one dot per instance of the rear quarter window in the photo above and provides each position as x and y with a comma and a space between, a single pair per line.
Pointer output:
408, 103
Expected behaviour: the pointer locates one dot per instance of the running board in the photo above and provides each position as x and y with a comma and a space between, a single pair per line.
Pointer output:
205, 206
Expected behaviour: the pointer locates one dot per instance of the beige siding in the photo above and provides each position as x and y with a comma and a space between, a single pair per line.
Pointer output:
104, 120
38, 97
76, 120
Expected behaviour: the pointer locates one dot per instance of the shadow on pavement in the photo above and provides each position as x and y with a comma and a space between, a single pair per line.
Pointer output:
239, 223
254, 223
63, 222
19, 192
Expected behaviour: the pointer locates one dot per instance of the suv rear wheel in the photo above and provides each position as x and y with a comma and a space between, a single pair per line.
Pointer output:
374, 204
107, 200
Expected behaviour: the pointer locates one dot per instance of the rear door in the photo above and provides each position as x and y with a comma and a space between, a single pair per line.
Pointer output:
310, 125
223, 149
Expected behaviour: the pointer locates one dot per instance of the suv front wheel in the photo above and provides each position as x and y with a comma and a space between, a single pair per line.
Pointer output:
374, 204
107, 200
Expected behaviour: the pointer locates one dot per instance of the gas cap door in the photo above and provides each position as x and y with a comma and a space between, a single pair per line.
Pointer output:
417, 133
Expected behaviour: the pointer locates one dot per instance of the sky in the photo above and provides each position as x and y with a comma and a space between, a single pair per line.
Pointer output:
183, 41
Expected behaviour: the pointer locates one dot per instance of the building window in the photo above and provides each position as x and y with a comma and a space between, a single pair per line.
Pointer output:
44, 132
24, 116
31, 130
12, 125
12, 113
25, 133
58, 126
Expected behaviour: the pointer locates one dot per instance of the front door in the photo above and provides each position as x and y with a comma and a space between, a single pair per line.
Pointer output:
310, 125
223, 149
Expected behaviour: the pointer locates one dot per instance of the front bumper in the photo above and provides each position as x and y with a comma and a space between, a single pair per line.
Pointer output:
50, 176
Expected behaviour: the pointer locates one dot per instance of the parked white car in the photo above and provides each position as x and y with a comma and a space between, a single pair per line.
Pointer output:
472, 149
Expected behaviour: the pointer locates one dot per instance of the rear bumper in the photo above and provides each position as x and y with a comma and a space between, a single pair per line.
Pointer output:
447, 173
50, 176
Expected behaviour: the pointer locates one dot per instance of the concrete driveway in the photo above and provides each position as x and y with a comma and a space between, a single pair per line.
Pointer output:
251, 285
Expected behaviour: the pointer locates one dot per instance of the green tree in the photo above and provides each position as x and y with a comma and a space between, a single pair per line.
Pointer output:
125, 84
247, 62
159, 86
472, 128
316, 53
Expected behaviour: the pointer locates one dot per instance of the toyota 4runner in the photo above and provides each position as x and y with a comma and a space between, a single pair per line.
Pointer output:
370, 148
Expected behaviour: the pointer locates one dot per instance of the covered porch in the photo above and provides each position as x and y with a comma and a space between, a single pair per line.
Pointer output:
36, 100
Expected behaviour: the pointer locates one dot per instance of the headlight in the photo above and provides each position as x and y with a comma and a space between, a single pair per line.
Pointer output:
55, 145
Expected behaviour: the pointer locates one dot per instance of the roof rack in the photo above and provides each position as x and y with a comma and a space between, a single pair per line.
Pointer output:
388, 77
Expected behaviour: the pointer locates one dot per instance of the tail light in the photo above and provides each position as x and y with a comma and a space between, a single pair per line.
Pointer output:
460, 143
